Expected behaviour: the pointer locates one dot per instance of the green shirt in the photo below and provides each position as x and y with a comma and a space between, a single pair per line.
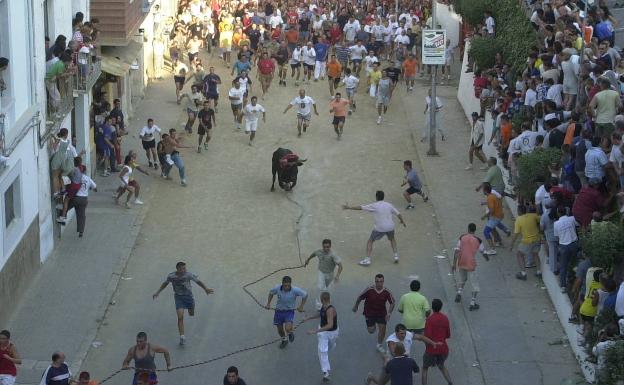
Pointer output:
55, 70
414, 307
326, 262
494, 176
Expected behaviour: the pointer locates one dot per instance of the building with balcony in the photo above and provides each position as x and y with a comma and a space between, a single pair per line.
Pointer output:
33, 108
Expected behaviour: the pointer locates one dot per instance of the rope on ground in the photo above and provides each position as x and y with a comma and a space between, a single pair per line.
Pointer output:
273, 341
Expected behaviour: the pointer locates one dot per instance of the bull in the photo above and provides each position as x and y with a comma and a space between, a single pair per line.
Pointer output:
285, 165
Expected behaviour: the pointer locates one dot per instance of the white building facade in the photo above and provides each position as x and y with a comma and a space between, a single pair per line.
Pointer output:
27, 215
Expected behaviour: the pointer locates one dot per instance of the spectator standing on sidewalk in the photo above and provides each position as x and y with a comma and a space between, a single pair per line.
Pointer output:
438, 330
465, 264
477, 137
527, 225
415, 309
384, 225
564, 229
9, 357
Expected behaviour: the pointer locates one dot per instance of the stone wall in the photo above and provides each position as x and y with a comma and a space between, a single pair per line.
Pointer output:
19, 270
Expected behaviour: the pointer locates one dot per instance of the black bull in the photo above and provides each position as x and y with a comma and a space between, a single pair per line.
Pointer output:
286, 175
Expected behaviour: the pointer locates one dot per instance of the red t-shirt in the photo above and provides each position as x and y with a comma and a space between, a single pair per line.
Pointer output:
266, 66
293, 18
438, 329
375, 302
479, 84
587, 201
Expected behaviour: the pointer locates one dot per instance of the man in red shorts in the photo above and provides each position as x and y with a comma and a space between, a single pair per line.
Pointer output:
375, 312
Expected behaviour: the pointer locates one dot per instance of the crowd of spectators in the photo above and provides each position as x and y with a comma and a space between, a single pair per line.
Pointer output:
568, 97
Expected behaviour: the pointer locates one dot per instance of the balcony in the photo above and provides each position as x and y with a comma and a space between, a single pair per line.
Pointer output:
89, 70
60, 99
119, 19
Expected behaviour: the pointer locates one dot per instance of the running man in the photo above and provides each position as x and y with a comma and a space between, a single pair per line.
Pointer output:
304, 110
211, 87
415, 186
309, 61
144, 354
358, 51
266, 70
207, 120
465, 263
375, 311
338, 106
351, 84
384, 225
334, 71
9, 357
252, 113
149, 142
236, 95
183, 296
296, 58
285, 308
410, 65
327, 262
384, 93
281, 58
438, 329
327, 333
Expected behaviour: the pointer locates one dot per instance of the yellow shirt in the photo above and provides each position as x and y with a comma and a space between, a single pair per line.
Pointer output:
587, 309
374, 77
528, 226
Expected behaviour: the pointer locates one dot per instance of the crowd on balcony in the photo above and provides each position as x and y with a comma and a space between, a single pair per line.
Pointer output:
567, 97
68, 62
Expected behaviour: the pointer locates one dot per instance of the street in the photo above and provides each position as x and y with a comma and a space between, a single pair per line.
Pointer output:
231, 230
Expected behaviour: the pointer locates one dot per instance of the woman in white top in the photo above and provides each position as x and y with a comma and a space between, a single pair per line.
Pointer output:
128, 184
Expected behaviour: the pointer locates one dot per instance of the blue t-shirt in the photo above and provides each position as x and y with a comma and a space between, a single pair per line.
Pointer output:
58, 376
106, 132
321, 51
401, 369
239, 66
287, 300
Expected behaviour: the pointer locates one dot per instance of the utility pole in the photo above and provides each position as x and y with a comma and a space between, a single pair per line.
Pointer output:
433, 104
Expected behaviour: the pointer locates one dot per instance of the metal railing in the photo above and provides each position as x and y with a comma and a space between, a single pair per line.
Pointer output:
60, 92
89, 70
2, 134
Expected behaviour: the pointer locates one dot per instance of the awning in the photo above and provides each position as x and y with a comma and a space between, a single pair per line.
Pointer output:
114, 66
126, 54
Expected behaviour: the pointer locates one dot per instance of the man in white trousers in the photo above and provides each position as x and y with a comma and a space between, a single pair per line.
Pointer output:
327, 262
327, 333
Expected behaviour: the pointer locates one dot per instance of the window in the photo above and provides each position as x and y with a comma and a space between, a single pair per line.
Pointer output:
11, 203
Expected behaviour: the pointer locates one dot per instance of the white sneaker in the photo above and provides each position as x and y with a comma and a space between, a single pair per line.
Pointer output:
483, 168
365, 262
182, 340
63, 220
469, 167
326, 376
381, 349
138, 202
379, 120
490, 252
396, 258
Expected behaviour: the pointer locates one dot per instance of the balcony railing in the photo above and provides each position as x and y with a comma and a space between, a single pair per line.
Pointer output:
60, 99
89, 70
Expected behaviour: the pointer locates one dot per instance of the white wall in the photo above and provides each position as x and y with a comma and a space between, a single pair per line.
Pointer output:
59, 18
450, 21
81, 6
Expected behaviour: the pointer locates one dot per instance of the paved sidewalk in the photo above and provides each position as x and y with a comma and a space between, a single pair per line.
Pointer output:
48, 311
527, 349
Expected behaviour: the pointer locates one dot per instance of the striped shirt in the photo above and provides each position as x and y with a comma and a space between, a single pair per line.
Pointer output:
342, 54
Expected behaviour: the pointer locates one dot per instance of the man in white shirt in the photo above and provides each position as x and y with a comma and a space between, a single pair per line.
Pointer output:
383, 213
357, 54
351, 83
275, 20
147, 135
530, 97
252, 113
304, 110
350, 29
309, 60
490, 24
565, 230
616, 157
236, 96
79, 202
369, 60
